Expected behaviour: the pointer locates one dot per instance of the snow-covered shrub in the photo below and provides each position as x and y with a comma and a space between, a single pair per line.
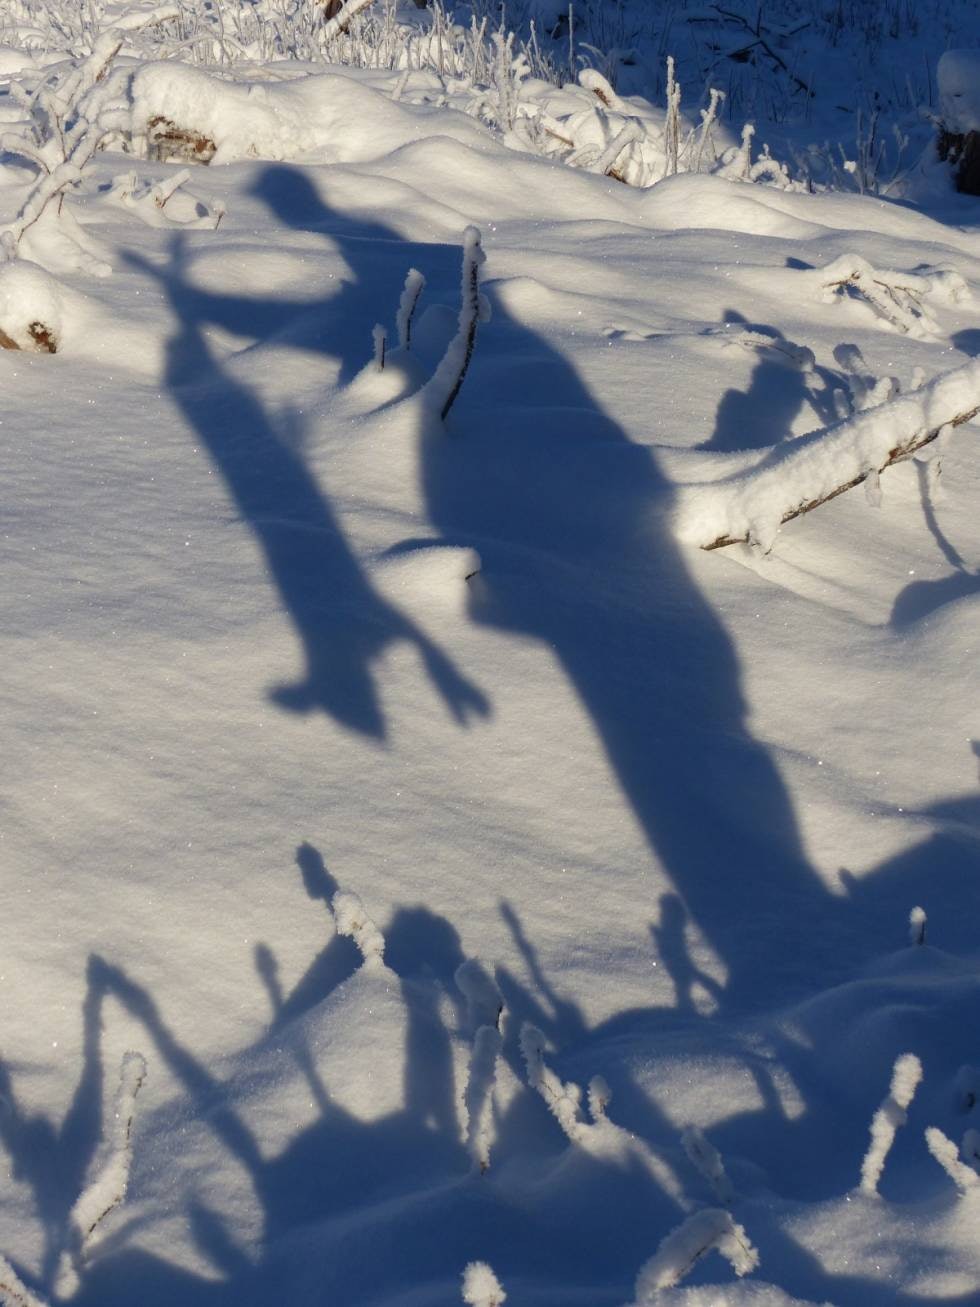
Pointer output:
589, 126
184, 113
711, 1228
906, 1075
70, 114
737, 165
599, 1097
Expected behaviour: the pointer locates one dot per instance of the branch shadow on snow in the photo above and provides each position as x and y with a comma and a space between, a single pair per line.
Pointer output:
342, 623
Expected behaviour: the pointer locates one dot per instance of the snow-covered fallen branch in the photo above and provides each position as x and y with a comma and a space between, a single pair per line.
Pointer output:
802, 474
895, 297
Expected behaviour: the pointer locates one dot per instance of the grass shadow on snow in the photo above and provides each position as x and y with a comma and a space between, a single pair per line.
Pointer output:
363, 1210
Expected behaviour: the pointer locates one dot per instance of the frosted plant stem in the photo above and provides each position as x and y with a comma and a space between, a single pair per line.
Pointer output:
478, 1096
890, 1115
687, 1244
947, 1155
452, 368
13, 1291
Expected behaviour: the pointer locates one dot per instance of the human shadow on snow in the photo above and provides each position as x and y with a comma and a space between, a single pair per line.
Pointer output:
343, 624
781, 386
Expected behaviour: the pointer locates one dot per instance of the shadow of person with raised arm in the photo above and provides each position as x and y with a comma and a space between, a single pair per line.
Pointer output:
571, 519
342, 623
762, 415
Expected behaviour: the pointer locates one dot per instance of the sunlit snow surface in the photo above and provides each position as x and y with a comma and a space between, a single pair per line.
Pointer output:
271, 632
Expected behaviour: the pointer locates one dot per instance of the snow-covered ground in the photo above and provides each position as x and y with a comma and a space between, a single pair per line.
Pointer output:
287, 661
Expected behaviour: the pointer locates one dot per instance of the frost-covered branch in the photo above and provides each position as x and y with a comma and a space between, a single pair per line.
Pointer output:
72, 116
341, 20
947, 1155
448, 377
890, 1115
687, 1244
563, 1100
706, 1159
107, 1189
896, 297
478, 1095
414, 286
352, 920
805, 473
13, 1291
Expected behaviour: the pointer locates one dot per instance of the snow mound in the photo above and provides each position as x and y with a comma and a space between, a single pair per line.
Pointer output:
732, 1295
333, 116
31, 306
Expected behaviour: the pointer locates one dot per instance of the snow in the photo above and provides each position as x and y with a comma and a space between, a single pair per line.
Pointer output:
488, 875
